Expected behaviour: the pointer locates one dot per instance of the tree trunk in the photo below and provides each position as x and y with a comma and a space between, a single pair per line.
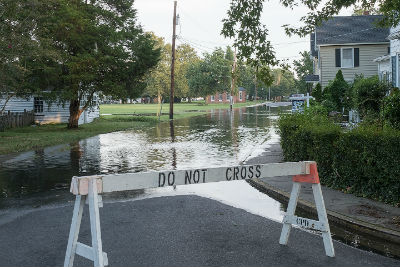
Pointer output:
74, 114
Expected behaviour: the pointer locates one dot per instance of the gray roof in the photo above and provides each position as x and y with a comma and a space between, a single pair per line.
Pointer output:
351, 29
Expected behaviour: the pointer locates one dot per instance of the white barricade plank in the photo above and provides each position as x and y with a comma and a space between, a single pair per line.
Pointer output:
132, 181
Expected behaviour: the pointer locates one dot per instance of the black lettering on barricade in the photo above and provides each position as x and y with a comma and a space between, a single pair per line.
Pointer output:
243, 176
251, 174
161, 177
171, 178
302, 222
258, 174
188, 177
204, 175
228, 178
236, 173
196, 179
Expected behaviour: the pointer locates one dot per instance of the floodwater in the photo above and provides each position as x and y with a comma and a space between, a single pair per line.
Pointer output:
220, 138
41, 178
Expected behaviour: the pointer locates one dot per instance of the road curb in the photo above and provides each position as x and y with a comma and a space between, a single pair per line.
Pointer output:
339, 219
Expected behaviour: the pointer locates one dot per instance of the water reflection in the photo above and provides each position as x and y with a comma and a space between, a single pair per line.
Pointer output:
222, 137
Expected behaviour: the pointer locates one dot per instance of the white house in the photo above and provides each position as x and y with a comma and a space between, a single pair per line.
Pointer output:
349, 44
46, 112
388, 65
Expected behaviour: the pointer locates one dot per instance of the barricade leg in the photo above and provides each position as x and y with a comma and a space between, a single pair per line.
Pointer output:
323, 218
294, 196
95, 224
74, 231
95, 252
290, 219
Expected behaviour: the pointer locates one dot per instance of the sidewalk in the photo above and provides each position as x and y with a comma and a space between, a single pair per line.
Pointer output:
376, 225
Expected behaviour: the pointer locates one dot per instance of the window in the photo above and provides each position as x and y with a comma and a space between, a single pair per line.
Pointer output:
220, 97
212, 98
240, 95
347, 58
38, 104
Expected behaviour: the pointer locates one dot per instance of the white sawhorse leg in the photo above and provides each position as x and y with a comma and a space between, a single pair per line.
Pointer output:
94, 253
294, 196
321, 225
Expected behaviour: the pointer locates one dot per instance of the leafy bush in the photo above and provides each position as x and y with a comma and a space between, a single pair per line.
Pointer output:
391, 112
368, 94
363, 161
335, 92
317, 92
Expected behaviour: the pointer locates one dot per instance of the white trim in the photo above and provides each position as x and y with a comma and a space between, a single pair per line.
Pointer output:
240, 95
341, 57
353, 44
212, 98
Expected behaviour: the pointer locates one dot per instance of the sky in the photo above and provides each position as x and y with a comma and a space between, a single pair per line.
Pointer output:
200, 24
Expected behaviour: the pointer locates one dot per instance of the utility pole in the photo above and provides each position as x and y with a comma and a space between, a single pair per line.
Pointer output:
171, 98
255, 85
233, 78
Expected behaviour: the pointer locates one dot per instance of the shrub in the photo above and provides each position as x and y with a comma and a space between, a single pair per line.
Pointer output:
317, 92
335, 91
363, 161
391, 112
368, 94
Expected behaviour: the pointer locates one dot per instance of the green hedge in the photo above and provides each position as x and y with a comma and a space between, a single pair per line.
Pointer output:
364, 161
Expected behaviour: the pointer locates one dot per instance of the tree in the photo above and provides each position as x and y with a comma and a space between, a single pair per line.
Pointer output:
95, 47
158, 81
210, 75
185, 57
243, 23
303, 67
17, 45
317, 93
335, 92
284, 83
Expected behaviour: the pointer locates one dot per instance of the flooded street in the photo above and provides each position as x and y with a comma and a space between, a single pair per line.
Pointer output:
42, 177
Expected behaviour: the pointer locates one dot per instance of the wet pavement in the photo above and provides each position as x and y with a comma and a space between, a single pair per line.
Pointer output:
173, 231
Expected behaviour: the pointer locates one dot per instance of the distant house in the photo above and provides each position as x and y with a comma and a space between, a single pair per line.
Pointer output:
388, 64
347, 43
224, 97
49, 112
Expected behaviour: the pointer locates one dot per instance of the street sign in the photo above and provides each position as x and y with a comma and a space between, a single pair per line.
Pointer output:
90, 188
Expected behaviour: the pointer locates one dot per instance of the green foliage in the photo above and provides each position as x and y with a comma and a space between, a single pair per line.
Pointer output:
82, 48
334, 93
363, 161
210, 75
317, 93
391, 112
159, 79
368, 95
250, 35
303, 67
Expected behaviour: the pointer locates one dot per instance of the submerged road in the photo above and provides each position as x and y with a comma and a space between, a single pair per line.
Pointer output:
172, 231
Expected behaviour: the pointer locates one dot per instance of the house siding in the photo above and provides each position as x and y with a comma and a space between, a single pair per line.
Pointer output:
52, 112
367, 66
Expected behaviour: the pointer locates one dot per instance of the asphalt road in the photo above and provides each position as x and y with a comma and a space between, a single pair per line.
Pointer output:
172, 231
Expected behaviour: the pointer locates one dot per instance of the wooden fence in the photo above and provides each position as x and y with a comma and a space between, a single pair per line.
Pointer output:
16, 119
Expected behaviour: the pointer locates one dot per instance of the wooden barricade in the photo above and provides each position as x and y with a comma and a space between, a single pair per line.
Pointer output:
91, 187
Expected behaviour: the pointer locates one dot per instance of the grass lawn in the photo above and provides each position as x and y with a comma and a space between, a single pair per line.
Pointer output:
34, 137
28, 138
153, 108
